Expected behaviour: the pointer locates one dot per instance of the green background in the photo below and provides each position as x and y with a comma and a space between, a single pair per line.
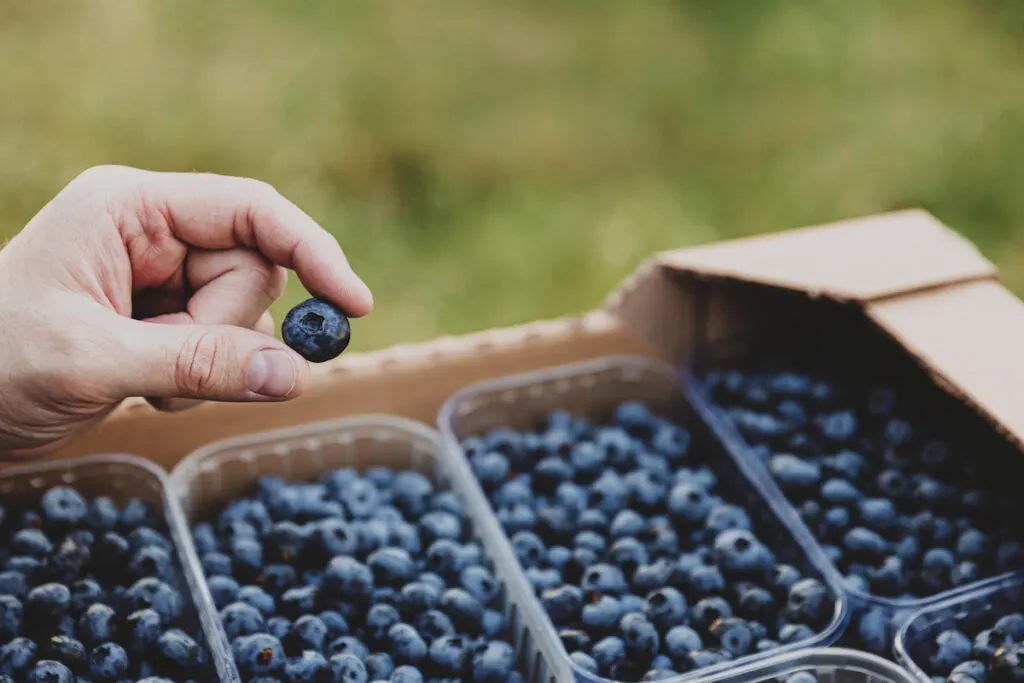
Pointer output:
488, 163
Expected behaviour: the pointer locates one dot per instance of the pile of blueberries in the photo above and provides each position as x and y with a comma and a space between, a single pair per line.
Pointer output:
352, 579
901, 511
989, 655
643, 563
88, 593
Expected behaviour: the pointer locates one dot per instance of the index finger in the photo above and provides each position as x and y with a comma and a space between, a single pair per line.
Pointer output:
220, 212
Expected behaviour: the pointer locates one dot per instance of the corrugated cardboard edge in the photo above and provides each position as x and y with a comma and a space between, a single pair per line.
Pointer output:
861, 259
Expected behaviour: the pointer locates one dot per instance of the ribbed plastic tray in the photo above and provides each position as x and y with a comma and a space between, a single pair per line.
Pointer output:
225, 470
592, 390
969, 612
862, 355
827, 665
122, 478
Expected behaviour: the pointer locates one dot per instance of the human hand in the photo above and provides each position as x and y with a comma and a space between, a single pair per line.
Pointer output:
135, 283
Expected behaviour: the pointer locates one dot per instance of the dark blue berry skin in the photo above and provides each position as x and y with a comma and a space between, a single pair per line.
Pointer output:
11, 613
178, 652
49, 671
902, 510
624, 534
317, 330
97, 625
16, 656
108, 662
258, 655
381, 551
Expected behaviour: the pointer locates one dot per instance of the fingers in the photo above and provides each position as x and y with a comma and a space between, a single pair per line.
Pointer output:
229, 287
212, 362
265, 325
220, 212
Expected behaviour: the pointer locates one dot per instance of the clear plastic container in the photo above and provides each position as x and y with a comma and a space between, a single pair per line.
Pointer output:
225, 470
592, 390
969, 612
865, 354
122, 478
827, 665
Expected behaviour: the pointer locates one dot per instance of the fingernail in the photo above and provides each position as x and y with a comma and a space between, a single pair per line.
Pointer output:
272, 373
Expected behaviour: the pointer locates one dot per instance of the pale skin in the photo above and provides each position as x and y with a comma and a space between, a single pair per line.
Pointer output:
136, 283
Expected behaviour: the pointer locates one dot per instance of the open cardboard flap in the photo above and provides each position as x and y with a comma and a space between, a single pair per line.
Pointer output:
917, 280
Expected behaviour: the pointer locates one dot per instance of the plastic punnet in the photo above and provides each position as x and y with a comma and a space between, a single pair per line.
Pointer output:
224, 470
122, 478
592, 390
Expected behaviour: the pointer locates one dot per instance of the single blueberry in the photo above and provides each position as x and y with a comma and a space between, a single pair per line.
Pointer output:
317, 330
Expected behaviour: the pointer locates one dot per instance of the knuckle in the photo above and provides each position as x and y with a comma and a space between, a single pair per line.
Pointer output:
102, 175
197, 370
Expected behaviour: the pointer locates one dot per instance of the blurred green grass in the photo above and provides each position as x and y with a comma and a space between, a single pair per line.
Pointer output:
488, 163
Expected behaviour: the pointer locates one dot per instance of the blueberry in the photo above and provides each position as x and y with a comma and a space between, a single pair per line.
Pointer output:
407, 647
809, 602
704, 580
971, 669
757, 603
733, 635
63, 507
463, 609
793, 473
141, 630
493, 623
782, 578
410, 493
795, 633
13, 584
608, 652
97, 625
69, 652
873, 630
16, 656
689, 503
448, 654
609, 493
241, 619
348, 645
665, 608
864, 543
298, 601
492, 469
680, 641
604, 579
417, 597
650, 577
702, 659
725, 517
136, 513
178, 651
601, 615
346, 668
707, 611
378, 666
346, 576
988, 641
11, 613
584, 662
406, 674
31, 543
49, 671
493, 663
951, 648
587, 460
317, 330
738, 552
108, 662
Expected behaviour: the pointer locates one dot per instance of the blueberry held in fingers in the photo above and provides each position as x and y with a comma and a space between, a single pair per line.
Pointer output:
316, 330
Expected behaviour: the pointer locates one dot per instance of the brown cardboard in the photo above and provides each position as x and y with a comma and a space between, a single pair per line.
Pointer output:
917, 280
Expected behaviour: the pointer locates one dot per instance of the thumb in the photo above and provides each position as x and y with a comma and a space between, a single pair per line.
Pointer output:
212, 362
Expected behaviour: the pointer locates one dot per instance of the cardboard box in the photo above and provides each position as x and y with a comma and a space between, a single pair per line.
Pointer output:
902, 275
